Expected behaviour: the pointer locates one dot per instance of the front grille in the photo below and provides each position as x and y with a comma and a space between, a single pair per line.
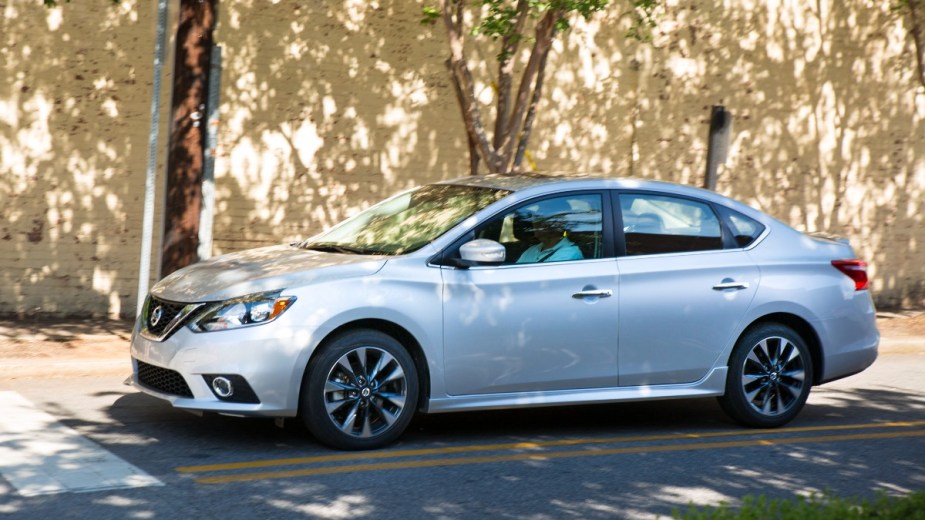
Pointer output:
163, 380
163, 317
157, 320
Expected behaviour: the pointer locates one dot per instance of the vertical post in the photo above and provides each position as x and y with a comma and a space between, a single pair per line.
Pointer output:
147, 219
183, 194
206, 216
718, 143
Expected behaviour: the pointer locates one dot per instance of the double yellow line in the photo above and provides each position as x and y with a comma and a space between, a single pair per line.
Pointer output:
540, 451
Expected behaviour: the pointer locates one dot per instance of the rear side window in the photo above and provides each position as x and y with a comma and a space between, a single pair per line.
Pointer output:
655, 224
745, 230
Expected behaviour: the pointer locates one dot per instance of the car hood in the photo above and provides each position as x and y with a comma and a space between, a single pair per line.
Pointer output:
258, 270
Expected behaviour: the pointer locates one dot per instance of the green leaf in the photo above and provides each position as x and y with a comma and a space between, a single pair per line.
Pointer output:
429, 14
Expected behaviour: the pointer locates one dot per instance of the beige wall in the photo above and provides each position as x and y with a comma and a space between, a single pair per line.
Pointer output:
329, 106
75, 101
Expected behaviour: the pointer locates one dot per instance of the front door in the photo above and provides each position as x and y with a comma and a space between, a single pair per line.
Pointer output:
545, 320
527, 328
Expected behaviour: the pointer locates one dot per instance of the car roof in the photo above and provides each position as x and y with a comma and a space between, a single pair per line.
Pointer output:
548, 182
513, 182
523, 181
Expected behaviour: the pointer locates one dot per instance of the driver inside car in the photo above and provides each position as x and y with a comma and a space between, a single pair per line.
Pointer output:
550, 220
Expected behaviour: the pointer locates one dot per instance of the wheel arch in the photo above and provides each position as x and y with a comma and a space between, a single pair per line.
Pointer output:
401, 334
802, 327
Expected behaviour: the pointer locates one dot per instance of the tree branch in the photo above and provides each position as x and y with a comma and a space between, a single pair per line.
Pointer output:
473, 143
531, 112
916, 14
460, 15
545, 30
509, 45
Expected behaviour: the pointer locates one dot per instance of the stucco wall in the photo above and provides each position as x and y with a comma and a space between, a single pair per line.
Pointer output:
328, 106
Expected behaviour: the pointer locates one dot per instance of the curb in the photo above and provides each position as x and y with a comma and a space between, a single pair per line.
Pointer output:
902, 345
16, 369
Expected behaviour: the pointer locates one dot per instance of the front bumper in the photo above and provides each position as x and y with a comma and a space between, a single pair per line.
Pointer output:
270, 359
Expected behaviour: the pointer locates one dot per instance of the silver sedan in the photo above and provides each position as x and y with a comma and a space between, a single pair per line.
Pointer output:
511, 291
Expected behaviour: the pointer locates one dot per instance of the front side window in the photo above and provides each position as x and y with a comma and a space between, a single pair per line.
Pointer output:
555, 229
406, 222
654, 224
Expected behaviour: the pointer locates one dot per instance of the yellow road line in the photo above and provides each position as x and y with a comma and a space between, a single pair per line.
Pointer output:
343, 457
459, 461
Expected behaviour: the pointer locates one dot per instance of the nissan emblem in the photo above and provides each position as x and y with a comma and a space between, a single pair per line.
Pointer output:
156, 315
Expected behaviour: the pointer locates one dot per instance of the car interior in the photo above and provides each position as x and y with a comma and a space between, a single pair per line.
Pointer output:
580, 220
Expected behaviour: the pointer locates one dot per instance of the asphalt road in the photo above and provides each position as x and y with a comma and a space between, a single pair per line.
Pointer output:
856, 437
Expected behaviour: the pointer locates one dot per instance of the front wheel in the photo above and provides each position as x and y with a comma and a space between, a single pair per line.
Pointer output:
770, 374
360, 391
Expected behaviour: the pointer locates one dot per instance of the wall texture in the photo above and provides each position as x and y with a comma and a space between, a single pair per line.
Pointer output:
331, 105
74, 109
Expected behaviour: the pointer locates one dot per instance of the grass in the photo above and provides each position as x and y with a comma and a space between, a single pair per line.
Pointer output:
816, 507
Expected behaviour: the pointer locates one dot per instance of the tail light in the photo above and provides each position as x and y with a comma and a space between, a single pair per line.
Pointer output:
854, 269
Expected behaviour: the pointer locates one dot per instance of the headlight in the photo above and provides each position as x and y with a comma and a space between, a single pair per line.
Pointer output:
247, 311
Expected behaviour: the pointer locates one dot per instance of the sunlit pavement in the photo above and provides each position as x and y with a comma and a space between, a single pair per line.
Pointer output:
39, 455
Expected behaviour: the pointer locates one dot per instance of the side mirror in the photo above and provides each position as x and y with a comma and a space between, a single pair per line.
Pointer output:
482, 251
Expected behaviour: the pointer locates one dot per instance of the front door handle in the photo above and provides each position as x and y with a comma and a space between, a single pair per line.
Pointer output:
593, 293
729, 284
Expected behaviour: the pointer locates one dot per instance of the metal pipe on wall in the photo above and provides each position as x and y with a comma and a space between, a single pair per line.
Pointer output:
147, 225
718, 144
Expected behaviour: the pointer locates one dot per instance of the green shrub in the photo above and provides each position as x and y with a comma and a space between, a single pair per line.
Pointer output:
825, 507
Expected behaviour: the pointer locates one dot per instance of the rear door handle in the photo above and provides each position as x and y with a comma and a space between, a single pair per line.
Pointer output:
729, 284
593, 293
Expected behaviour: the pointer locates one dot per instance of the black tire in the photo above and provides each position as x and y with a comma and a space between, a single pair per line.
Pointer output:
360, 392
769, 378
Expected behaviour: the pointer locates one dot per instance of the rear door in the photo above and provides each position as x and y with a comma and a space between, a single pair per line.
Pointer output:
683, 292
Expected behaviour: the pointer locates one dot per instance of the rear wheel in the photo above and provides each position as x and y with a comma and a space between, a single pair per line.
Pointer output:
770, 374
360, 392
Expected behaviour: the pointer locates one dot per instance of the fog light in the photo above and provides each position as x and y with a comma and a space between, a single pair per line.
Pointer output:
231, 388
222, 387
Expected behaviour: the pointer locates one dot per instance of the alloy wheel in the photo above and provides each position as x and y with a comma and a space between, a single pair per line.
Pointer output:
773, 376
365, 392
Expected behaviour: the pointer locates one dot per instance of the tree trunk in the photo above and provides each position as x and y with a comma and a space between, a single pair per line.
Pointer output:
183, 198
515, 112
917, 17
465, 89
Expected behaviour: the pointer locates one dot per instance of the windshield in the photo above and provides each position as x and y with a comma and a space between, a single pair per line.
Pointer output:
406, 222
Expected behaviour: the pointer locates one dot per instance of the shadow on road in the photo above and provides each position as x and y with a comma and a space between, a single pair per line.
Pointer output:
147, 416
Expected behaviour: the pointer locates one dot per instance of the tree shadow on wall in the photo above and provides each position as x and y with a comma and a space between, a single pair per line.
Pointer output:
332, 106
71, 159
326, 109
824, 129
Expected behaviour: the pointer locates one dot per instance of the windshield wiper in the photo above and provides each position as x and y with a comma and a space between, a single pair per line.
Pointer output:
329, 247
